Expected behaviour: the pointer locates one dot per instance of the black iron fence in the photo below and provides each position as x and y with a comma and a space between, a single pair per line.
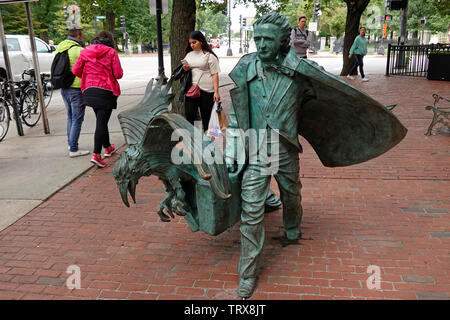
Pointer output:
412, 60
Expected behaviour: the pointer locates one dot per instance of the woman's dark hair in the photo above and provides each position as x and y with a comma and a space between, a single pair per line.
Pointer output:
104, 37
197, 35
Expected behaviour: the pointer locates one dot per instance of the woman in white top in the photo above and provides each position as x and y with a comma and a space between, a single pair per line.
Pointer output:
205, 73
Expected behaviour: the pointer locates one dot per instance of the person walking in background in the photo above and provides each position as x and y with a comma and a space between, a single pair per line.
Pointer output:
72, 96
359, 49
205, 73
300, 40
99, 68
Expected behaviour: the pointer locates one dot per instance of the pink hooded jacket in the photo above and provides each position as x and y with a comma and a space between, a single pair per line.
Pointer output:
99, 66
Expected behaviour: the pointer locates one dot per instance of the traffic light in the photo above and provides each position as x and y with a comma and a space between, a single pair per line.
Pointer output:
397, 4
122, 23
388, 17
66, 12
317, 11
240, 19
244, 21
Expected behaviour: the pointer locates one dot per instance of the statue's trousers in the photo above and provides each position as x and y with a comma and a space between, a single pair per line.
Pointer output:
255, 186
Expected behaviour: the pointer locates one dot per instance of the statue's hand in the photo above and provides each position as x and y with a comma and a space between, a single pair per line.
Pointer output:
231, 165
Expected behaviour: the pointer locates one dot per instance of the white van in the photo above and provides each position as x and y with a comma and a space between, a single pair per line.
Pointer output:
21, 58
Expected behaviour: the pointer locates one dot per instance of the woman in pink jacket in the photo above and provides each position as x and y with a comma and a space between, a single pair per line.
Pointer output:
99, 68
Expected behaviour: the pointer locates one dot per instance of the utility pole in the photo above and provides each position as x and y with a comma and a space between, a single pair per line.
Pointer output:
37, 70
240, 33
123, 28
158, 7
95, 7
229, 51
422, 22
316, 14
161, 74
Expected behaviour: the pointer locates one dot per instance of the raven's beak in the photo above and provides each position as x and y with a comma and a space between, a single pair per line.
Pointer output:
132, 189
124, 194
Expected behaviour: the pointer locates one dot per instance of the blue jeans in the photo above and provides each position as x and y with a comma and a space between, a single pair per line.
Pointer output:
358, 62
73, 99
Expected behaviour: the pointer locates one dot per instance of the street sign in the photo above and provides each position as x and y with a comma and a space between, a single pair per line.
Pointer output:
101, 17
312, 26
248, 28
164, 3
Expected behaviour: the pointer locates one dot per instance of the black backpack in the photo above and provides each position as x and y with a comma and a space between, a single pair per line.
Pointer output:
62, 76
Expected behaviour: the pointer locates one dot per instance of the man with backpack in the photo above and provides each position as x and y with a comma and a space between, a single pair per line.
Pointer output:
62, 77
300, 40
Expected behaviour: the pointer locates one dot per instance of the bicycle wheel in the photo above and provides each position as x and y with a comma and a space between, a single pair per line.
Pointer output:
31, 112
48, 92
5, 118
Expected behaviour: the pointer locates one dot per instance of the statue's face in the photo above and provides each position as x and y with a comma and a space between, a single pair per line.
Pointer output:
268, 41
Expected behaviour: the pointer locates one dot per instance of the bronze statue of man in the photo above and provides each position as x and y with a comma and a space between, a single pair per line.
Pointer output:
276, 97
266, 100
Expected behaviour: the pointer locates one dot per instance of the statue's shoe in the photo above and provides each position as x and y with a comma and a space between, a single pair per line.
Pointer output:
246, 287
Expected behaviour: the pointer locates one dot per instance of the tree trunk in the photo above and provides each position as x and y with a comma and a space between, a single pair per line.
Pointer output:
182, 23
44, 34
355, 8
111, 21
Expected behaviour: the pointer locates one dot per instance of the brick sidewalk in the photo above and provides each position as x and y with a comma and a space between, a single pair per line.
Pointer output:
391, 212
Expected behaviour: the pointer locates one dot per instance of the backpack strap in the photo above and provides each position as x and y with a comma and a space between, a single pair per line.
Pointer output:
297, 29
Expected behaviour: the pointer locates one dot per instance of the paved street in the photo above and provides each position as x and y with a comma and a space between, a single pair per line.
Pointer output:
390, 213
146, 66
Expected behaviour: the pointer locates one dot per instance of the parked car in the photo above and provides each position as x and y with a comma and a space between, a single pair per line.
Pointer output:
21, 58
215, 43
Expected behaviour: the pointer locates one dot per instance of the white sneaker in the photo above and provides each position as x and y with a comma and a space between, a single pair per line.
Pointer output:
78, 153
365, 79
350, 77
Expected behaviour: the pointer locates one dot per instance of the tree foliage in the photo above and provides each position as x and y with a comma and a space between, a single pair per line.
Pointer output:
210, 22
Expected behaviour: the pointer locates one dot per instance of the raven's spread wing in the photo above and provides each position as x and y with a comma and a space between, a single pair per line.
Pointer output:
135, 120
194, 150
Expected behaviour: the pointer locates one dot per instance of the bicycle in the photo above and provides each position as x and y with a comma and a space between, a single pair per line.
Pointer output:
46, 84
5, 115
27, 101
28, 96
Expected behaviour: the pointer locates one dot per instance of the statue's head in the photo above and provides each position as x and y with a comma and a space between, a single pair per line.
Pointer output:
272, 34
126, 171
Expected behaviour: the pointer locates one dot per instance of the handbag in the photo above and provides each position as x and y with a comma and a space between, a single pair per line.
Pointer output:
194, 90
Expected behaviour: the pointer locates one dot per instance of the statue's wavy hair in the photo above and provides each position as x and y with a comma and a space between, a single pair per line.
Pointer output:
279, 20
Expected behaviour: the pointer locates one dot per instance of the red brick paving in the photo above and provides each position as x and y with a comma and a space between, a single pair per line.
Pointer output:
392, 211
